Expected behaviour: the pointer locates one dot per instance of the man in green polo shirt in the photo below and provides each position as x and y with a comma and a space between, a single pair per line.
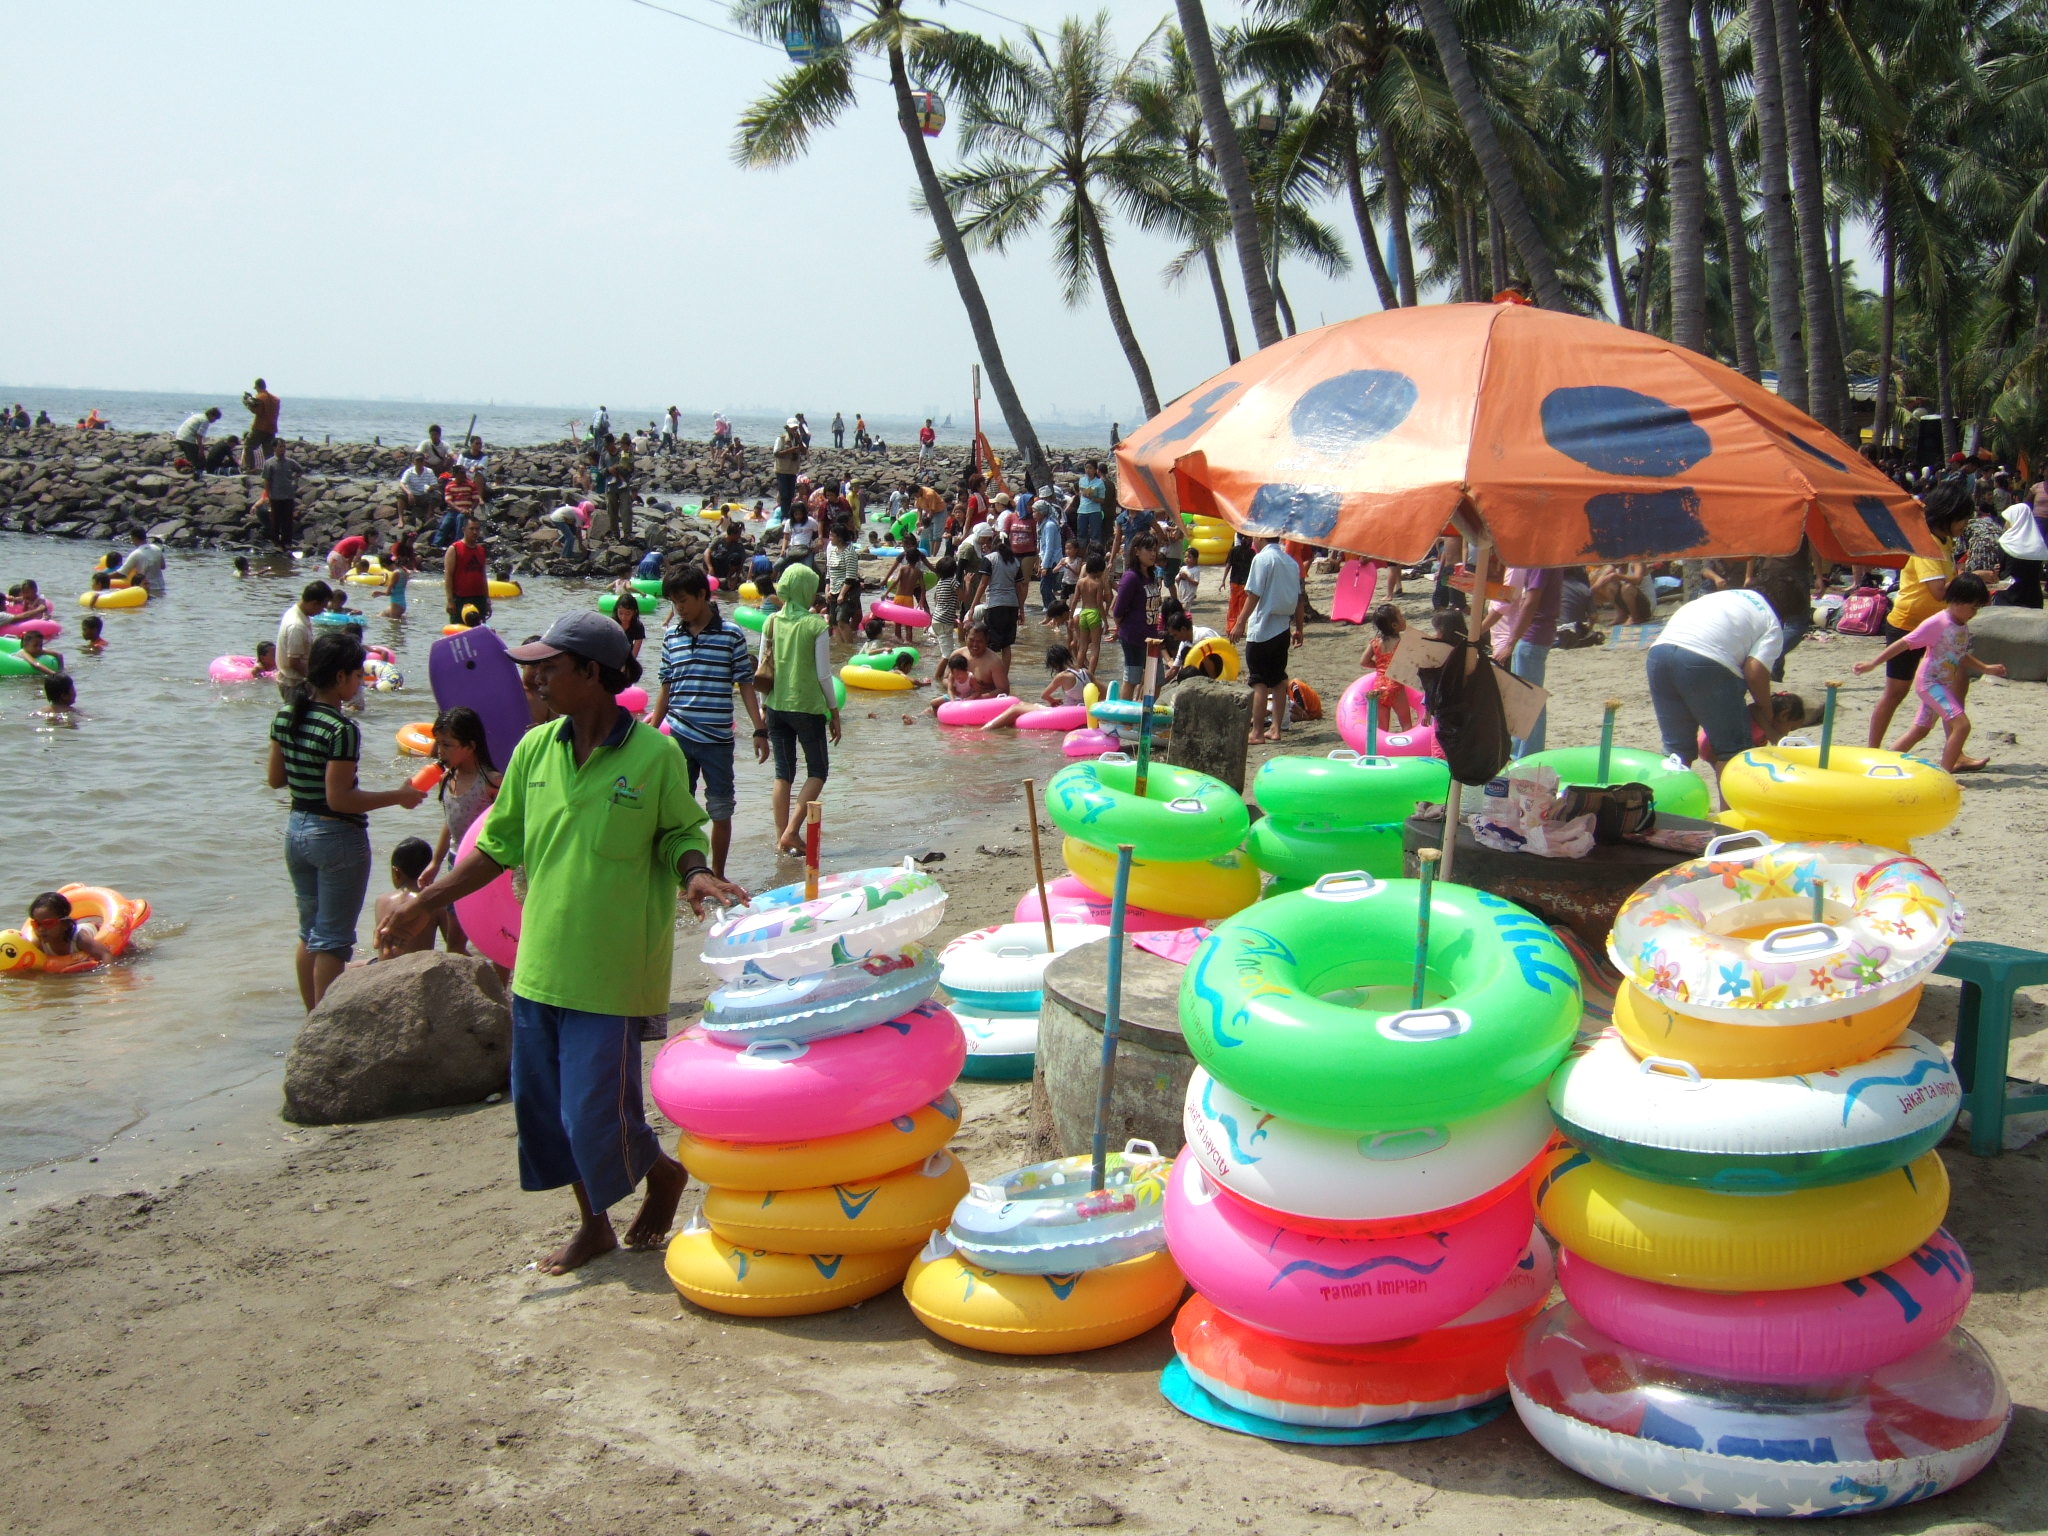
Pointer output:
597, 808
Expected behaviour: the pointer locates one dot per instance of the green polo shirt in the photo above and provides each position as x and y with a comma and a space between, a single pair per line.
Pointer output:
601, 845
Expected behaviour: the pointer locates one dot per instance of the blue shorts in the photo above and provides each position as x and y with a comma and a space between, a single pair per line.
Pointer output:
713, 760
576, 1098
329, 862
1693, 693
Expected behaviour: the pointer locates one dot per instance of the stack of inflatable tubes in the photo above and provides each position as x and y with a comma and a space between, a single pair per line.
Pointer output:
1353, 1203
1211, 535
1761, 1309
1334, 814
1185, 832
1041, 1262
995, 982
1864, 794
1675, 788
812, 1099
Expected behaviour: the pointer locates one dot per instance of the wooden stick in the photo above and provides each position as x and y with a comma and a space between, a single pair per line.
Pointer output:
1827, 720
814, 835
1427, 860
1038, 859
1112, 1014
1607, 739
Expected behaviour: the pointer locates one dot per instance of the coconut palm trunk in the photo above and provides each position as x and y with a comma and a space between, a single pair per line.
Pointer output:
1113, 301
1728, 192
1610, 239
1685, 175
1368, 236
1781, 235
978, 321
1887, 319
1395, 180
1501, 185
1230, 170
1802, 148
1213, 265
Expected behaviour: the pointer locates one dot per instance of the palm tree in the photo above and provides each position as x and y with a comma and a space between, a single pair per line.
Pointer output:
1057, 128
1286, 181
1781, 236
1230, 168
1685, 176
1728, 192
777, 129
1825, 387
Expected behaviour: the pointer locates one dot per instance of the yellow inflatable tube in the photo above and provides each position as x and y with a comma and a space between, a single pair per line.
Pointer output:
875, 679
1863, 796
862, 1154
119, 597
880, 1215
1040, 1314
1202, 650
1706, 1241
1209, 888
1759, 1050
502, 589
417, 739
373, 577
751, 1282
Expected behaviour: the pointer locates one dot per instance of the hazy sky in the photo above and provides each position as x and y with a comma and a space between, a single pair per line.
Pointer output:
520, 200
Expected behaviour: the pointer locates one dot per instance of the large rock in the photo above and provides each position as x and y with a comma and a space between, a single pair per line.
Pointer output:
1210, 723
2016, 636
420, 1032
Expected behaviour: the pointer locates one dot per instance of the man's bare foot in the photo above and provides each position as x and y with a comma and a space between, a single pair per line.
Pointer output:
666, 1182
1971, 765
593, 1239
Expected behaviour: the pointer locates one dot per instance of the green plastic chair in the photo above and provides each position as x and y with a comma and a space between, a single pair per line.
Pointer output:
1991, 974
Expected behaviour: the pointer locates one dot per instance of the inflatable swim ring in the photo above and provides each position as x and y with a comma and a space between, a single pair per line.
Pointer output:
897, 613
1383, 1185
1001, 1047
1184, 815
1662, 1120
822, 1004
374, 576
1502, 1005
862, 912
1676, 791
883, 1214
1757, 1047
1911, 1430
1460, 1365
748, 617
417, 739
1039, 1314
1336, 1290
1088, 742
236, 669
1048, 1219
1355, 704
1120, 711
751, 1282
119, 597
490, 917
974, 711
1864, 795
874, 679
1054, 717
1218, 646
1805, 1335
776, 1090
1073, 901
500, 590
887, 660
1346, 792
850, 1157
16, 629
1002, 969
1305, 857
1208, 888
106, 914
1707, 1241
1730, 936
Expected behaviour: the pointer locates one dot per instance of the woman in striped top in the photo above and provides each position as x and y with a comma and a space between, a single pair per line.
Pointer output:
314, 750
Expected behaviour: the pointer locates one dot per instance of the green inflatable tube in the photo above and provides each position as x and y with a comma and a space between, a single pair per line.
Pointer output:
1184, 817
884, 660
748, 617
1304, 856
1346, 791
1676, 791
1258, 1010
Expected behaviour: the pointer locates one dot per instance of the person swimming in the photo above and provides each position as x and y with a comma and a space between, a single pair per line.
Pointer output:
56, 932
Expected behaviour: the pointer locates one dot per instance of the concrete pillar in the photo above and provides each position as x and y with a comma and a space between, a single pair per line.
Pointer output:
1210, 723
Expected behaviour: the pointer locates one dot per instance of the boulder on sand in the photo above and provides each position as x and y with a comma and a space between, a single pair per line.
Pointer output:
2016, 636
419, 1032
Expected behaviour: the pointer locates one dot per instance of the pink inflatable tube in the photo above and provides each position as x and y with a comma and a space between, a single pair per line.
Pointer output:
1059, 717
47, 628
380, 653
1071, 901
1090, 743
973, 711
1352, 709
897, 613
235, 669
490, 917
778, 1090
1804, 1335
634, 699
1329, 1290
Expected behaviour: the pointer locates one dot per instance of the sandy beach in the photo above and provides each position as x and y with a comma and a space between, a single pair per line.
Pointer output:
341, 1329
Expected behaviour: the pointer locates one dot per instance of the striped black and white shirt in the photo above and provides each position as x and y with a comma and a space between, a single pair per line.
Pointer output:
323, 735
700, 673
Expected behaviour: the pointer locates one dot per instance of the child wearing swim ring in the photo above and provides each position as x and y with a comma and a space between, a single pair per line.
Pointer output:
1389, 697
1069, 685
57, 932
266, 658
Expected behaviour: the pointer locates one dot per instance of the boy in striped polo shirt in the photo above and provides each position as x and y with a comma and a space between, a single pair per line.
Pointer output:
703, 659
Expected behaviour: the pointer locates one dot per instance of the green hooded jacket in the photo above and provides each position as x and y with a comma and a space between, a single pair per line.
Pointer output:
793, 645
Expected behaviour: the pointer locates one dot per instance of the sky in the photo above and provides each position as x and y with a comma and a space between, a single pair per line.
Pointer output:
527, 201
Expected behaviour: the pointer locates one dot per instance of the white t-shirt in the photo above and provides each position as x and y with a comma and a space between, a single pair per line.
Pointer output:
417, 482
193, 428
1729, 627
144, 567
294, 645
1275, 583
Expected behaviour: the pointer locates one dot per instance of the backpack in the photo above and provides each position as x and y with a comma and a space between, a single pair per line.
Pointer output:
1471, 720
1864, 612
1023, 535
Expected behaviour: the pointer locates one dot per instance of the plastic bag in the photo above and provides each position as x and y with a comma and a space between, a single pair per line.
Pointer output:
1524, 814
1471, 723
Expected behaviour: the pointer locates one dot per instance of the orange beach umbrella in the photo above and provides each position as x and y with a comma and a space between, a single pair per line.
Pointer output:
1561, 439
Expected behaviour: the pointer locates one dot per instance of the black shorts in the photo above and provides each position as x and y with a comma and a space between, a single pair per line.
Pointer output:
787, 730
1903, 667
482, 605
847, 609
1002, 627
1265, 661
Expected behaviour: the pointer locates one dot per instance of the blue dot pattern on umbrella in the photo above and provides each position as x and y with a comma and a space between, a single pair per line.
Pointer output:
1826, 458
1201, 412
1622, 432
1294, 511
1629, 525
1877, 517
1353, 409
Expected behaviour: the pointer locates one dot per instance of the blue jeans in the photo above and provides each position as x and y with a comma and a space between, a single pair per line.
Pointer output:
1693, 693
450, 528
329, 862
1088, 529
1529, 662
576, 1098
714, 761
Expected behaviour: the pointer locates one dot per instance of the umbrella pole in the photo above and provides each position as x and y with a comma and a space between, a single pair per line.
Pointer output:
1482, 557
1426, 860
1827, 722
1607, 740
1112, 1014
1038, 859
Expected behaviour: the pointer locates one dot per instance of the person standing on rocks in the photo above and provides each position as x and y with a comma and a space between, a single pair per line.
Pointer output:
838, 430
191, 437
281, 475
597, 811
263, 408
789, 461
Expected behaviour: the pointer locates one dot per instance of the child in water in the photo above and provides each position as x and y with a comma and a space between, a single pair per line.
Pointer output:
27, 602
33, 653
397, 576
266, 658
471, 782
241, 567
1069, 685
90, 634
411, 860
56, 932
1945, 664
60, 698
